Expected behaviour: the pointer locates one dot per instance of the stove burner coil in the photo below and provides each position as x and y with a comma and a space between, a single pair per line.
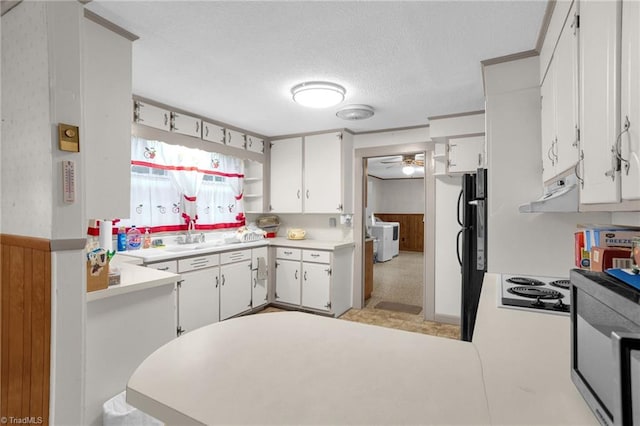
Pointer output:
536, 293
524, 281
564, 284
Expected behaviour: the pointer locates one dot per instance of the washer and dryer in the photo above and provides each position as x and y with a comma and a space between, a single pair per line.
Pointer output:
387, 235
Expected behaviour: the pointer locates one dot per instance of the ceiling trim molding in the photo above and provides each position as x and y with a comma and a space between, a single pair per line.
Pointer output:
546, 20
7, 5
460, 114
317, 132
109, 25
393, 129
395, 178
509, 58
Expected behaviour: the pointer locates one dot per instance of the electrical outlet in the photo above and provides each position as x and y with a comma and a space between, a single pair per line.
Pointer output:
332, 222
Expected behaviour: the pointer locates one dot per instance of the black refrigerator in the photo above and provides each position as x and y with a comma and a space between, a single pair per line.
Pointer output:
471, 246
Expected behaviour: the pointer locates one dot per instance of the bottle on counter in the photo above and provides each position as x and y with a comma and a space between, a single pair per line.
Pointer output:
134, 238
122, 239
147, 239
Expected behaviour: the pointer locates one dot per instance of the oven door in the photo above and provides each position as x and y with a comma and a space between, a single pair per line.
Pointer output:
626, 354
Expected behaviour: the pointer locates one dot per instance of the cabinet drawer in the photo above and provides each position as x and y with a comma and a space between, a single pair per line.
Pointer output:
316, 256
169, 266
288, 253
212, 132
235, 256
193, 263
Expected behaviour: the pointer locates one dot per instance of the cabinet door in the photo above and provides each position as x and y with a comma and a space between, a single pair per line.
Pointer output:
599, 112
259, 289
323, 173
565, 60
212, 132
186, 125
630, 143
106, 136
316, 286
198, 299
255, 144
235, 289
152, 116
466, 154
288, 276
548, 123
234, 139
286, 176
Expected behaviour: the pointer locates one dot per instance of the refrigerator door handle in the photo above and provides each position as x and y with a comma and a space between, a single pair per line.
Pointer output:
459, 202
458, 246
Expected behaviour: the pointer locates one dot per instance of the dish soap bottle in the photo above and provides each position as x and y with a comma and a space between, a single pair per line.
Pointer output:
122, 239
147, 239
134, 238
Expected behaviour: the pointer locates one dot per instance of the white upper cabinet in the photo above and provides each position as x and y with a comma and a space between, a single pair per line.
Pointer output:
630, 101
466, 154
234, 139
599, 100
254, 144
212, 132
286, 176
559, 103
186, 125
323, 173
152, 116
106, 134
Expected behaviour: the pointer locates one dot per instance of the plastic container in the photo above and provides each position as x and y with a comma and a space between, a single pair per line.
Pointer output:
122, 239
146, 242
116, 412
134, 239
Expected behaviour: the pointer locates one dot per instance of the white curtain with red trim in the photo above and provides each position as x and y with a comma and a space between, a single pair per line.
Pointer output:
176, 191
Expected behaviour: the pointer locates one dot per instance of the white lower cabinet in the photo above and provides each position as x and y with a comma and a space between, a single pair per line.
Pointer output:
198, 299
318, 280
316, 286
259, 274
235, 288
288, 281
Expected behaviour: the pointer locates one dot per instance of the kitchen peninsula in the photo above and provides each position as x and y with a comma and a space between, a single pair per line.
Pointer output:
295, 368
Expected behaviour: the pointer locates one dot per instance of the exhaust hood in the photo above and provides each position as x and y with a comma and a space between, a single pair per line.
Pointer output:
561, 196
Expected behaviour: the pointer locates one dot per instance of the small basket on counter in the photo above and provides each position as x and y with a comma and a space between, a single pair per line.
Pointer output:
270, 224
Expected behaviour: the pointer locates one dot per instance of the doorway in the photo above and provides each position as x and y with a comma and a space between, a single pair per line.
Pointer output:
361, 158
394, 219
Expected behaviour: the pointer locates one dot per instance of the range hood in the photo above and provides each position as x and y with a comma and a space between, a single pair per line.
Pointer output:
561, 196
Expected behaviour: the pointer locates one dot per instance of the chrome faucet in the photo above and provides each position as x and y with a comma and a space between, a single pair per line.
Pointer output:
188, 237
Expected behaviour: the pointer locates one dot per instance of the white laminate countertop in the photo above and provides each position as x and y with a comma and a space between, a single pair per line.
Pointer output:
133, 278
310, 244
526, 359
297, 368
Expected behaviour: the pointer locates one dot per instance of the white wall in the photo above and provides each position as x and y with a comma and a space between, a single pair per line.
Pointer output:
392, 137
41, 86
448, 275
522, 243
398, 195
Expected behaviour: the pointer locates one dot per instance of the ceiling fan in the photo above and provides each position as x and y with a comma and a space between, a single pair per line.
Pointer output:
408, 162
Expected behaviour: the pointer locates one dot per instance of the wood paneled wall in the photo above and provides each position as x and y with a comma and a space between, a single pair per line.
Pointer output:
25, 328
411, 229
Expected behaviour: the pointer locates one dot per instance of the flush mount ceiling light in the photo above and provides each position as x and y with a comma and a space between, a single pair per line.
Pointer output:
355, 112
408, 170
318, 94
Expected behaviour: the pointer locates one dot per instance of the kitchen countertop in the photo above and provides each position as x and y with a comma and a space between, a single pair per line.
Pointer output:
310, 244
133, 278
299, 368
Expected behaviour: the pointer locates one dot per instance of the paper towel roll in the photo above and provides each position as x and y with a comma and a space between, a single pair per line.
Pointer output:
106, 239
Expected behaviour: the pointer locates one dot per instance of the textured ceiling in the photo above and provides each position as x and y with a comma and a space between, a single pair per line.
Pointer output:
237, 61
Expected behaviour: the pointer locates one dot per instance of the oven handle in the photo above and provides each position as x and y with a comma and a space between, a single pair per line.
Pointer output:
458, 212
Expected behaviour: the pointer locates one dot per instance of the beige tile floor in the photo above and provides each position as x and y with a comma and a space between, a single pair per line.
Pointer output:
398, 280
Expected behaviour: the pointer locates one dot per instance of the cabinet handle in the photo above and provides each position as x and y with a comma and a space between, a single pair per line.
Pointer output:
576, 169
206, 131
307, 194
166, 268
298, 194
305, 275
166, 119
255, 282
296, 274
217, 281
339, 207
549, 154
288, 252
555, 150
230, 136
314, 255
618, 152
223, 136
197, 126
223, 280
